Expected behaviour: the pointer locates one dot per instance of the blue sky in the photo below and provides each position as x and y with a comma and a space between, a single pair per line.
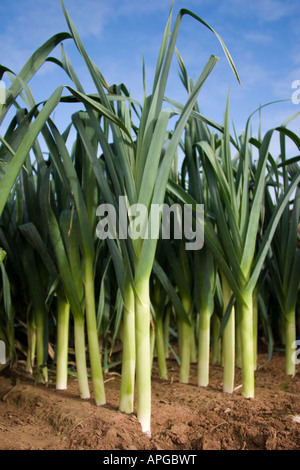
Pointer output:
263, 37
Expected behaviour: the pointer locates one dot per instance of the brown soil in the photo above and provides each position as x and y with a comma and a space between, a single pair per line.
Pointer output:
184, 417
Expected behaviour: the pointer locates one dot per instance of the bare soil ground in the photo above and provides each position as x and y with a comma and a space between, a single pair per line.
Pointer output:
184, 417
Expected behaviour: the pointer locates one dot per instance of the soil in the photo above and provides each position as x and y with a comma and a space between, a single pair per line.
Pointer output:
184, 416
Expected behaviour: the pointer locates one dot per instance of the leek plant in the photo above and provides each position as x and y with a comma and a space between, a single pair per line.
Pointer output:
236, 207
158, 296
63, 319
67, 268
20, 236
283, 259
284, 267
143, 180
58, 147
180, 265
204, 266
116, 279
244, 224
16, 145
135, 160
20, 137
37, 294
6, 309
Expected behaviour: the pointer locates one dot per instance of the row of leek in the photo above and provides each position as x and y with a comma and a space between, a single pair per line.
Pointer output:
153, 296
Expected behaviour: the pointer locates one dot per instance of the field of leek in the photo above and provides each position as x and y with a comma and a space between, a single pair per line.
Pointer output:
69, 299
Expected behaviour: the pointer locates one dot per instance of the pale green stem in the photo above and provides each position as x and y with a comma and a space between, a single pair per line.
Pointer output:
203, 348
179, 335
105, 358
255, 328
185, 349
246, 319
216, 344
290, 338
80, 355
143, 355
160, 348
229, 354
193, 347
31, 339
228, 341
92, 333
238, 344
42, 369
63, 317
166, 331
128, 359
152, 345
